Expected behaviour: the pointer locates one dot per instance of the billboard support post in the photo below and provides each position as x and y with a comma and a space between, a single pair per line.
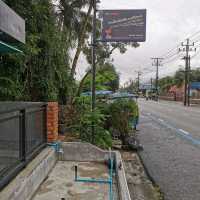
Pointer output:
118, 26
93, 87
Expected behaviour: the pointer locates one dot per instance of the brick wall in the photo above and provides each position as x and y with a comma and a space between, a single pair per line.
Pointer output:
52, 121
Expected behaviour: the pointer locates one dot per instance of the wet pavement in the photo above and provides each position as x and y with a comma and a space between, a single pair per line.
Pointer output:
170, 155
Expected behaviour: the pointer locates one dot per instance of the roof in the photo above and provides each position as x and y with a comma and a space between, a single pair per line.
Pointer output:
147, 87
6, 48
98, 92
122, 95
195, 85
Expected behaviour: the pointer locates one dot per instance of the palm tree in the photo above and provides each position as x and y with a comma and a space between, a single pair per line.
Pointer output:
73, 17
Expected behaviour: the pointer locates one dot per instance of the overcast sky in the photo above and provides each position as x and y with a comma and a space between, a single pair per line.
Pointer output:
169, 22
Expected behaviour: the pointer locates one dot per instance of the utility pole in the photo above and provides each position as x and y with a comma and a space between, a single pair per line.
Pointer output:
93, 65
151, 81
157, 63
139, 73
188, 80
187, 49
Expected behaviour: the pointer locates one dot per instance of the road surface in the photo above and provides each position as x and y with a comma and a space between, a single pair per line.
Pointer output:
170, 134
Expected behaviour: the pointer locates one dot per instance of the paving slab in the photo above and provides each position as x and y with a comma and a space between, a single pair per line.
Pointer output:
60, 183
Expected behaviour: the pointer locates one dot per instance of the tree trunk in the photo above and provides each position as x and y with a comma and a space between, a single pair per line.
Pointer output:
81, 41
82, 82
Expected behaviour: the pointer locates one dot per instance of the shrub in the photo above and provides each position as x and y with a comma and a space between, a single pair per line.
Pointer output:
122, 113
86, 119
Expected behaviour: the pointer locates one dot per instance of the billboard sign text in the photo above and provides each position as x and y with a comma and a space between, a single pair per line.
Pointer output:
124, 25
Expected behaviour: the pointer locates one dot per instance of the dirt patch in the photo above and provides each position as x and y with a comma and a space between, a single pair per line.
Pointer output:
69, 184
89, 195
44, 188
93, 170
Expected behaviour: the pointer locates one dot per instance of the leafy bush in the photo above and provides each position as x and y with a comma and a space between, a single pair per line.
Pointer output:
86, 119
118, 115
122, 113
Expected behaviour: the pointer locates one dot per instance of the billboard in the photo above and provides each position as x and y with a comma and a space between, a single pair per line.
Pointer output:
12, 26
123, 25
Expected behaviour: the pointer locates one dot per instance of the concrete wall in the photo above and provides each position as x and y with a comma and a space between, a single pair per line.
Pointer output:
86, 152
28, 180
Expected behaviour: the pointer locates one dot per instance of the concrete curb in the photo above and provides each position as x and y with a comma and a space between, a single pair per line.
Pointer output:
122, 182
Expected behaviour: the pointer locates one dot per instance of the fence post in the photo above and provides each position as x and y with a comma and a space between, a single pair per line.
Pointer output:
45, 123
22, 138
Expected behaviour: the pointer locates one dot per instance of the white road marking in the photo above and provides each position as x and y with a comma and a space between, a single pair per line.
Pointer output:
183, 131
161, 120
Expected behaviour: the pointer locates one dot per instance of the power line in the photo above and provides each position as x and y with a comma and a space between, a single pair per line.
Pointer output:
170, 56
196, 33
171, 60
194, 36
170, 51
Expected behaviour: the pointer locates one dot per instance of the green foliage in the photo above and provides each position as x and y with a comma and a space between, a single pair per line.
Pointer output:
195, 75
42, 72
118, 115
86, 119
106, 78
9, 89
72, 15
122, 112
165, 83
178, 79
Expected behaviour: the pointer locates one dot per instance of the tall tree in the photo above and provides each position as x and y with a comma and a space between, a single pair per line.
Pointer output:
74, 17
42, 71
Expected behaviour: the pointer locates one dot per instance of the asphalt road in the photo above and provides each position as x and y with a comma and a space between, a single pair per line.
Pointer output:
170, 134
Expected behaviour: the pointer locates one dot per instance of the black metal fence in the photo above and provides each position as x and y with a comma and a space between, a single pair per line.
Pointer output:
22, 136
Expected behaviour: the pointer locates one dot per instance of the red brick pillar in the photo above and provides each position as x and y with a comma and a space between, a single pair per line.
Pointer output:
52, 121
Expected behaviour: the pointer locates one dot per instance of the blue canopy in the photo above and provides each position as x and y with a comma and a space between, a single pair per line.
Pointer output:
98, 92
6, 48
147, 87
122, 95
195, 85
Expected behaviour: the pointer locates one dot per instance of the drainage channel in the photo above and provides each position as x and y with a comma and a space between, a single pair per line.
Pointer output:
140, 186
